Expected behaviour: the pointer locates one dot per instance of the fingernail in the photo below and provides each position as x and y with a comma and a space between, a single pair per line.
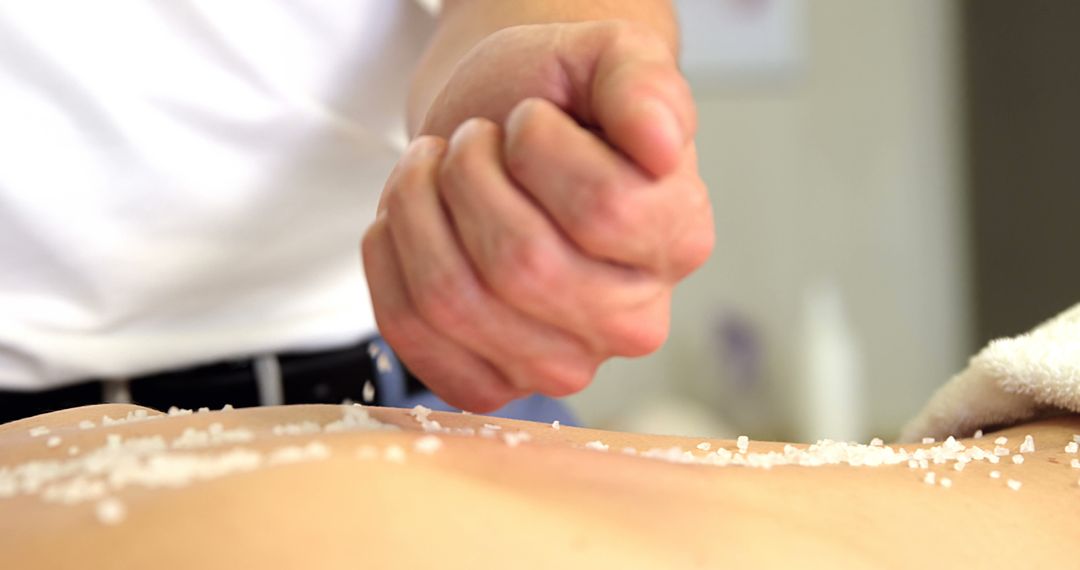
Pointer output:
664, 122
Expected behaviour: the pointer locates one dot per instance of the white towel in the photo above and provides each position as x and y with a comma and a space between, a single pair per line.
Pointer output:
1011, 380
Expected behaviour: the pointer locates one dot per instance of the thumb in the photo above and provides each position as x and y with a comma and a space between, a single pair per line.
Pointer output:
634, 93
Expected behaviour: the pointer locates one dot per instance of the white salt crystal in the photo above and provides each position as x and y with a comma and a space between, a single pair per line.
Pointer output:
929, 478
1028, 446
1072, 447
1014, 484
427, 444
958, 466
912, 464
876, 442
555, 425
110, 511
743, 443
514, 438
1075, 464
597, 445
492, 426
367, 393
995, 474
927, 440
86, 424
1018, 459
946, 482
978, 434
203, 410
394, 454
1002, 440
382, 362
488, 433
53, 441
1001, 451
704, 446
73, 450
38, 431
227, 407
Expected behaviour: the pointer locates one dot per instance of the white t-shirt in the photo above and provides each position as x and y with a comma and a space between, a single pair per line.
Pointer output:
188, 181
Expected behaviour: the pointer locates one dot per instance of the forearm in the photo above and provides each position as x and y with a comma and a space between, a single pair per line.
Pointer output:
464, 23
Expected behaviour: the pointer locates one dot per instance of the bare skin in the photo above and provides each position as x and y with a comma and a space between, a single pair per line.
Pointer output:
546, 503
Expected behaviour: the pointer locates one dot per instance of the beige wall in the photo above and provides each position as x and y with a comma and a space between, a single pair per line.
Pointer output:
847, 173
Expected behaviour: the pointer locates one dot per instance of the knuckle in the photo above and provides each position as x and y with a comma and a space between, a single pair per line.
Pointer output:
444, 300
632, 337
603, 217
526, 266
558, 379
527, 131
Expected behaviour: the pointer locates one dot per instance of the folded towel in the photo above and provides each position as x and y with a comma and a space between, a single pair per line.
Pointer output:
1011, 380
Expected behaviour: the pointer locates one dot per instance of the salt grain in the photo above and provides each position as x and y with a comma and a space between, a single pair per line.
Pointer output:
1028, 446
946, 482
959, 466
1072, 447
995, 474
704, 446
929, 478
596, 445
73, 450
427, 444
394, 454
38, 431
876, 442
1002, 440
492, 426
743, 443
555, 425
367, 393
110, 511
1075, 464
927, 440
86, 424
53, 441
978, 434
514, 438
1018, 459
1014, 484
1001, 451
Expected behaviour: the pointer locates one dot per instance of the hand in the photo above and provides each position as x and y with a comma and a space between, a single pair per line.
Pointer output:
523, 253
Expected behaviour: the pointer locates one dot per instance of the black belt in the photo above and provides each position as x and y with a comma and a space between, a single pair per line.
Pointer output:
327, 377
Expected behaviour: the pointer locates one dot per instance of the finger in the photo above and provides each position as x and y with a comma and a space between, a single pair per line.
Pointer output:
458, 377
532, 355
600, 200
637, 96
520, 255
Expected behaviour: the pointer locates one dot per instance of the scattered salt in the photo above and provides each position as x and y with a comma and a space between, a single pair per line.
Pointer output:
876, 442
38, 431
927, 440
1072, 447
946, 482
1002, 440
959, 466
427, 444
514, 438
53, 441
110, 511
382, 362
1028, 446
227, 408
978, 434
394, 454
704, 446
1014, 484
743, 443
492, 426
995, 474
555, 425
1075, 464
929, 478
1001, 451
86, 424
1018, 459
597, 445
73, 450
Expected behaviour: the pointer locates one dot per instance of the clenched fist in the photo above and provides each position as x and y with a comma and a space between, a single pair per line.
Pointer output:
540, 222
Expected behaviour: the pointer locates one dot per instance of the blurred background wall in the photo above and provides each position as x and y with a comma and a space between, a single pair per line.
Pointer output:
838, 297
